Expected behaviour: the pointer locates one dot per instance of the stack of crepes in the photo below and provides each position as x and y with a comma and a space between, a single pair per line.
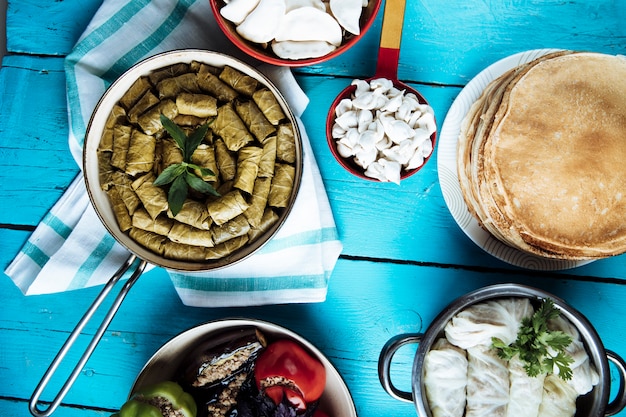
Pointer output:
542, 156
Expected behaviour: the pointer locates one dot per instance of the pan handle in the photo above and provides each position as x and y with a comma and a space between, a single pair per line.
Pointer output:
619, 402
34, 400
384, 364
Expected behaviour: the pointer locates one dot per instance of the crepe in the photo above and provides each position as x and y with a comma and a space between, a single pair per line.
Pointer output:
541, 156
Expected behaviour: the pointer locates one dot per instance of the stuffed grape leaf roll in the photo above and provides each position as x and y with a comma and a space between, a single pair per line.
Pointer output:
145, 103
267, 102
161, 225
183, 233
182, 252
154, 198
125, 191
268, 219
224, 249
282, 184
258, 201
211, 84
226, 161
248, 160
171, 87
135, 92
121, 142
120, 211
204, 156
254, 119
268, 158
228, 207
240, 82
236, 227
199, 105
150, 121
229, 126
286, 143
141, 153
194, 214
149, 240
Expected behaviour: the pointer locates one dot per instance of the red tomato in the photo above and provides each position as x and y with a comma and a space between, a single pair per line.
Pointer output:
289, 360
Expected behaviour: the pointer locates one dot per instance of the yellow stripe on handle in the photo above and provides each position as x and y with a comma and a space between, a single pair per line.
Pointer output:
393, 18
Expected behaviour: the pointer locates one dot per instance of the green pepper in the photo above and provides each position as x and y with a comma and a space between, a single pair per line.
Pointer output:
145, 401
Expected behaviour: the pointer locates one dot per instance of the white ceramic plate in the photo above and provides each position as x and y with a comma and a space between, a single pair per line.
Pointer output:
336, 399
448, 174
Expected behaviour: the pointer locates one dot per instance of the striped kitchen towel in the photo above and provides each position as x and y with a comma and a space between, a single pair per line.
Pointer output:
70, 249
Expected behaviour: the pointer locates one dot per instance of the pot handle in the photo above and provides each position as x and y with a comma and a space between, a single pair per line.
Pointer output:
619, 402
384, 364
34, 400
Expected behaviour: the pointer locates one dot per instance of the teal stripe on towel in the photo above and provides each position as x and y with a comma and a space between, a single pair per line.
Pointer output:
246, 284
311, 237
34, 253
86, 45
86, 270
57, 225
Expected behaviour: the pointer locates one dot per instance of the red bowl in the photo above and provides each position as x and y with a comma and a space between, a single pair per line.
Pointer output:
266, 55
348, 163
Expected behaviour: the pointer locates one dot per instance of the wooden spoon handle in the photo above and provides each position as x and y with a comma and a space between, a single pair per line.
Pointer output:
393, 19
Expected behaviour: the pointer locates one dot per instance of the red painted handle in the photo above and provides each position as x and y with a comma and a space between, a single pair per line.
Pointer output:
391, 35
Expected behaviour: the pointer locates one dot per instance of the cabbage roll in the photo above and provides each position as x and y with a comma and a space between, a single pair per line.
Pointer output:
199, 105
228, 207
145, 103
226, 161
183, 233
479, 323
150, 121
236, 227
559, 398
282, 184
445, 379
135, 92
168, 72
204, 156
161, 225
149, 240
584, 375
268, 103
125, 190
121, 142
182, 252
254, 119
248, 160
141, 153
258, 201
224, 249
268, 158
487, 383
172, 87
525, 391
239, 81
194, 214
211, 84
154, 198
229, 126
286, 143
124, 220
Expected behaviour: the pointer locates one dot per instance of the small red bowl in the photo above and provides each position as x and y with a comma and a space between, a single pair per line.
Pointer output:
348, 163
266, 55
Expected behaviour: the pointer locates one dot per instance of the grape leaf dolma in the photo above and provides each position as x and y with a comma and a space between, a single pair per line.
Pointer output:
210, 83
199, 105
239, 81
226, 161
255, 120
224, 249
228, 207
247, 168
194, 214
161, 225
282, 184
183, 233
266, 101
229, 126
258, 201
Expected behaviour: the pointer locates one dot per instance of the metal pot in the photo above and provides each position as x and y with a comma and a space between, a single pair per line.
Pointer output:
163, 365
139, 256
594, 404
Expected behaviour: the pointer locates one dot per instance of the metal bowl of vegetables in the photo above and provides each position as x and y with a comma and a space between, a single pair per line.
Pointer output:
192, 160
295, 34
239, 366
508, 349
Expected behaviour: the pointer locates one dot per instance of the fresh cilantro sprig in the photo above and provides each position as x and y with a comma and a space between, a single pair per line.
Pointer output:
540, 348
182, 176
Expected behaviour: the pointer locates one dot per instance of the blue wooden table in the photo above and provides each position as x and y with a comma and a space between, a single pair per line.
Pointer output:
404, 256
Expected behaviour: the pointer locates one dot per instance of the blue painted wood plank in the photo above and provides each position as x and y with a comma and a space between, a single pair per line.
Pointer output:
48, 27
